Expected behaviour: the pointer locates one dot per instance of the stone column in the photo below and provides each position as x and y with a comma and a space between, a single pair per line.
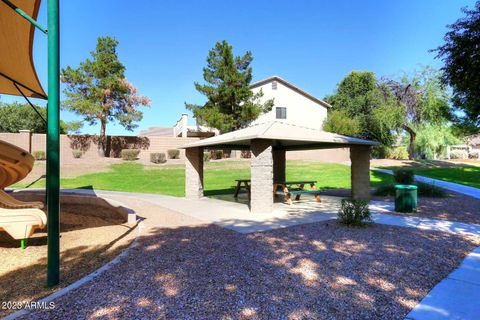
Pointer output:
360, 171
279, 165
194, 173
261, 198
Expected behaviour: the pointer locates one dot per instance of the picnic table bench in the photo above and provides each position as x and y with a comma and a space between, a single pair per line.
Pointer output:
297, 188
289, 189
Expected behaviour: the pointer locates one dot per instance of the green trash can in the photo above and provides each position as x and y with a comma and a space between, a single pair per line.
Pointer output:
406, 198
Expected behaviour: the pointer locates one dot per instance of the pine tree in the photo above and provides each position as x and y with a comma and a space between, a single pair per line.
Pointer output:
231, 105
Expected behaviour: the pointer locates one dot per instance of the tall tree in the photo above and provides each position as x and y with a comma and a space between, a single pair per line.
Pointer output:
425, 99
16, 116
364, 108
231, 104
461, 56
99, 92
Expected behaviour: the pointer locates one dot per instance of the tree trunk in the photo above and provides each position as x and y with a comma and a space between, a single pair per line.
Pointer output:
102, 141
411, 145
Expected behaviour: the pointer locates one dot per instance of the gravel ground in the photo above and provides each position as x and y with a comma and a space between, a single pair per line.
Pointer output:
86, 244
313, 271
456, 207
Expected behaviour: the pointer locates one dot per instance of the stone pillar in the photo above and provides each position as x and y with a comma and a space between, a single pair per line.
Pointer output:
279, 165
194, 173
261, 195
360, 171
25, 140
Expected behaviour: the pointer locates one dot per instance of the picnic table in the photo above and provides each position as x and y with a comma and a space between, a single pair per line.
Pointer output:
246, 186
289, 189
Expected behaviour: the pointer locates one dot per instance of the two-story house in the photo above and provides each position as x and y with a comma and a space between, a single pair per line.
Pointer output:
291, 104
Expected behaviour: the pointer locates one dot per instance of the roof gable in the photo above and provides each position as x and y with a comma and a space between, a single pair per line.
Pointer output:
292, 87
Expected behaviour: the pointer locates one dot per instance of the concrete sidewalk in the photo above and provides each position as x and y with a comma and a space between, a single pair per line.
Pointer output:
456, 187
456, 297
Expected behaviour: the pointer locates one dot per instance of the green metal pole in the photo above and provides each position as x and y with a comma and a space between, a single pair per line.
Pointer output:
25, 16
53, 144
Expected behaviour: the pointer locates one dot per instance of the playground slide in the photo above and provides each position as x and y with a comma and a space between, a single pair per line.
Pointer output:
19, 219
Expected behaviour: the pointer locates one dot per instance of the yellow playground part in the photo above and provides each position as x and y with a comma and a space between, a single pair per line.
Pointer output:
19, 219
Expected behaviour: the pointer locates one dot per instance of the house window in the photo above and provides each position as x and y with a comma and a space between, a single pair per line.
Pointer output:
281, 112
274, 85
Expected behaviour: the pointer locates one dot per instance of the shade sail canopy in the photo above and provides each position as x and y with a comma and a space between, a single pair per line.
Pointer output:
283, 135
16, 44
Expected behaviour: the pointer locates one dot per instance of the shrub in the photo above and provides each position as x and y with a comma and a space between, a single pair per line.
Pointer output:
458, 154
354, 212
397, 153
403, 176
424, 189
246, 154
173, 154
217, 154
77, 154
158, 157
207, 156
39, 155
130, 154
385, 190
431, 190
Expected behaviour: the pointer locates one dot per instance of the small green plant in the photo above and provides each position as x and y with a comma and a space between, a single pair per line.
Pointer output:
207, 156
130, 154
354, 212
158, 157
77, 154
404, 176
173, 154
39, 155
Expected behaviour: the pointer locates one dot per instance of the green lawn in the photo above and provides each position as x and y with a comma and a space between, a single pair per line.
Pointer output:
219, 177
467, 175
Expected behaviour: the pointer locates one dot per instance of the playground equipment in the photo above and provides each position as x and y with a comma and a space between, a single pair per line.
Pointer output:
19, 219
18, 77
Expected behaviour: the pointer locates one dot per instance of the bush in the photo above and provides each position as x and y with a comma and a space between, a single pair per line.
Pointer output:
354, 212
77, 154
397, 153
207, 156
424, 190
158, 157
39, 155
217, 154
403, 176
431, 190
458, 154
173, 154
130, 154
246, 154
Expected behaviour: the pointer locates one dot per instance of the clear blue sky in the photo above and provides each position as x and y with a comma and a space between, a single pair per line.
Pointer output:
312, 44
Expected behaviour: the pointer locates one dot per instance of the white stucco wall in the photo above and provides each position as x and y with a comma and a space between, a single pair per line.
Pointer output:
301, 110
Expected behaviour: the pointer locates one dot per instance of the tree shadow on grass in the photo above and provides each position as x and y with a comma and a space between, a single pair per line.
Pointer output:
315, 271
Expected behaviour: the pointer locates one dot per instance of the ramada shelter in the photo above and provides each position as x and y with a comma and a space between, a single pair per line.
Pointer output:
268, 143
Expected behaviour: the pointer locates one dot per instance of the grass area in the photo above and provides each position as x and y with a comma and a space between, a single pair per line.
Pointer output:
467, 175
219, 177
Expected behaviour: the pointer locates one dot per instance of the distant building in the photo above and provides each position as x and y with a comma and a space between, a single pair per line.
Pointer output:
291, 105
